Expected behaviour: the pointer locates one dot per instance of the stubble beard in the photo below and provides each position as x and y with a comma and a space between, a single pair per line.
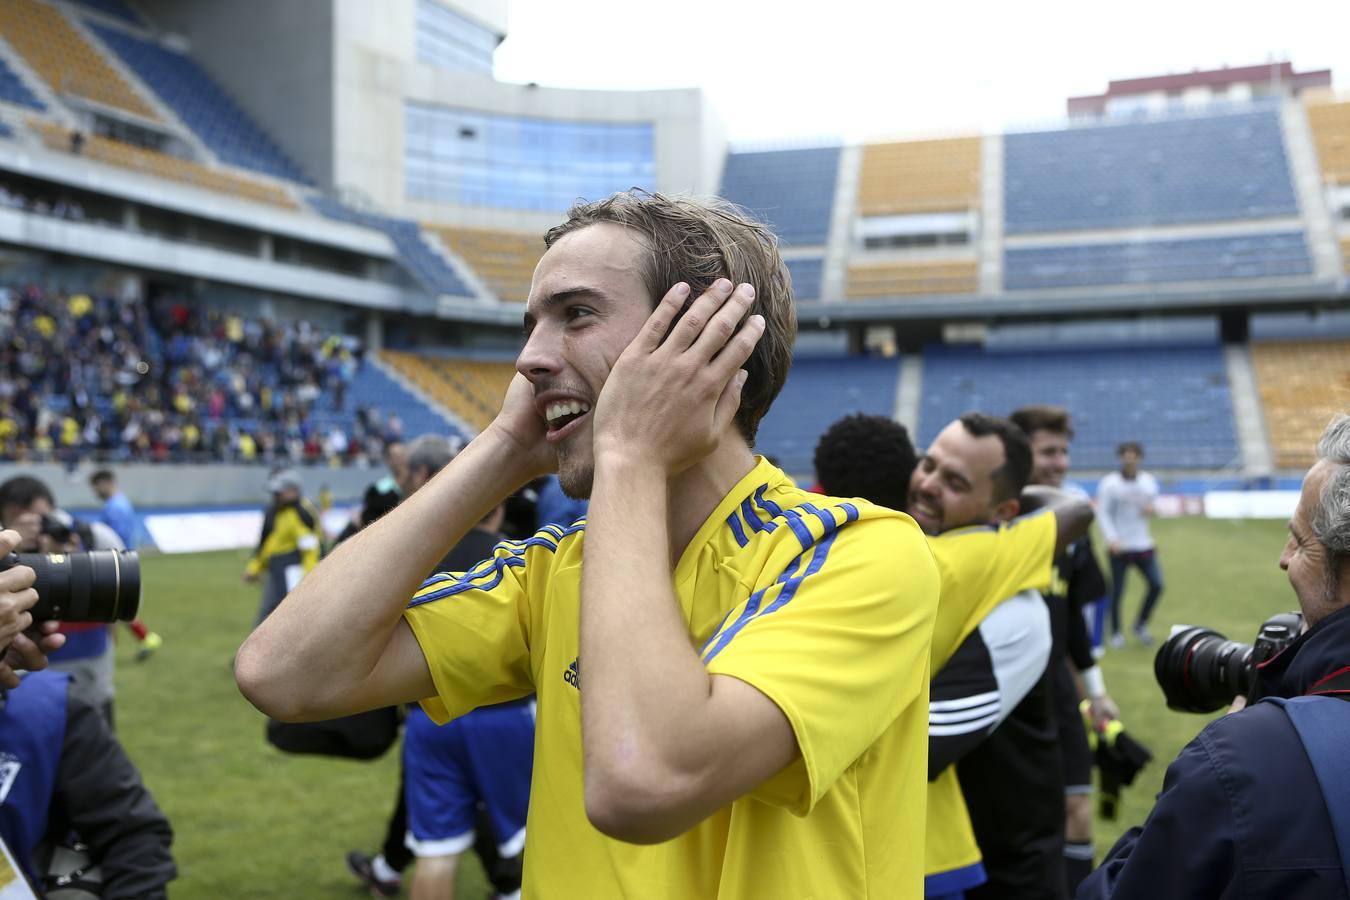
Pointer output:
576, 473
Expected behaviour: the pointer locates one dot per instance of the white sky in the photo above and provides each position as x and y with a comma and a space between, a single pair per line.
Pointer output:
853, 69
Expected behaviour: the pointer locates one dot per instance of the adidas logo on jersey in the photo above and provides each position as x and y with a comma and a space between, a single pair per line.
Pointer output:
572, 674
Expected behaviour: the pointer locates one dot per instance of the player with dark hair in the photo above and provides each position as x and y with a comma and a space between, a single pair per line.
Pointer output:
1073, 671
992, 636
1126, 500
866, 456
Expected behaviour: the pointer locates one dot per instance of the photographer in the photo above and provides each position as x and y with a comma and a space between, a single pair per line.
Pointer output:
65, 771
1243, 812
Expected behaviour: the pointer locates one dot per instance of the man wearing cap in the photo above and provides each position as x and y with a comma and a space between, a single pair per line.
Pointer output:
290, 544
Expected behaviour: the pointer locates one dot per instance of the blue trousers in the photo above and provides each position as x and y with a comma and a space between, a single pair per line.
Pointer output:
1146, 561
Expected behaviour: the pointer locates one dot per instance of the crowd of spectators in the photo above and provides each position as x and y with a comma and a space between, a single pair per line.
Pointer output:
116, 379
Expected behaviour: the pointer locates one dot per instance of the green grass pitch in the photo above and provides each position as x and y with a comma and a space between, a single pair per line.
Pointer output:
253, 822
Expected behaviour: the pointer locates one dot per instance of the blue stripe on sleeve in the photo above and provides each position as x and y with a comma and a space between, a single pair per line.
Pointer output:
773, 509
826, 520
737, 531
751, 607
785, 596
850, 511
799, 528
500, 565
752, 517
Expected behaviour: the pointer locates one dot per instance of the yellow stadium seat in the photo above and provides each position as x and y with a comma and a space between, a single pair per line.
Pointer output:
61, 56
161, 165
873, 280
1302, 384
472, 389
505, 260
920, 177
1331, 136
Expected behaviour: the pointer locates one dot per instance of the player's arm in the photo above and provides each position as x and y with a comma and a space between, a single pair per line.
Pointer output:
1072, 514
665, 743
988, 675
338, 645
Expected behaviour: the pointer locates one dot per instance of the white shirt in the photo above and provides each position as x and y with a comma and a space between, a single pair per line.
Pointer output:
1123, 504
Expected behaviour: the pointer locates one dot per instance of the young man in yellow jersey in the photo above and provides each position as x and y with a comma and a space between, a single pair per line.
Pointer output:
731, 673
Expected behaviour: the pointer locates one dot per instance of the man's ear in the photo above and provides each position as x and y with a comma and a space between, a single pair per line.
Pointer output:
1007, 510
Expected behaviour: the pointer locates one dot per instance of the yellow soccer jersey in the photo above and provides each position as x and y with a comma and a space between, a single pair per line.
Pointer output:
826, 606
981, 566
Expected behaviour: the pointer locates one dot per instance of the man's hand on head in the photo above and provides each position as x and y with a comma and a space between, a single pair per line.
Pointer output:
676, 388
520, 427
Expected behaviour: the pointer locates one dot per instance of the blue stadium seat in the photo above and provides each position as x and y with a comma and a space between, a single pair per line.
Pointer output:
202, 104
806, 277
115, 8
1175, 400
1173, 171
373, 388
13, 90
819, 391
5, 131
425, 264
792, 190
1153, 262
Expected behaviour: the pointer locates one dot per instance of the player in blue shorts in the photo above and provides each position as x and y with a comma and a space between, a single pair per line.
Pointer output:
484, 757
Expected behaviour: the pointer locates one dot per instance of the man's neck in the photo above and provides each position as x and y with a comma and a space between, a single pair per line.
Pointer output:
698, 490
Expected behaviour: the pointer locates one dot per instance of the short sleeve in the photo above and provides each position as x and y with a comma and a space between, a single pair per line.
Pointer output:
474, 628
982, 566
840, 642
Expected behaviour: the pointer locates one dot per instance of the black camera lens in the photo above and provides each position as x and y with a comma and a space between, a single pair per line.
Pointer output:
1199, 670
98, 586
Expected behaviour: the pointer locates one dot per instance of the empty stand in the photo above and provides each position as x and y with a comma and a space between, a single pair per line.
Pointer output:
115, 8
424, 263
201, 103
1303, 384
1330, 124
472, 389
61, 56
792, 190
505, 260
920, 177
819, 391
1200, 169
373, 389
1153, 262
161, 165
1175, 400
897, 279
806, 274
13, 90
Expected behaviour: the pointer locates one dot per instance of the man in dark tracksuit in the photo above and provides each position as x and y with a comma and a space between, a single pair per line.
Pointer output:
62, 771
1242, 813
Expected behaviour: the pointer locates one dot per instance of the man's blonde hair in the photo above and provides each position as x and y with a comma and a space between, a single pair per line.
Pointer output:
697, 241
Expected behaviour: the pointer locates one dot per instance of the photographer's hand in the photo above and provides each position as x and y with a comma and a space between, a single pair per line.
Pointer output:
25, 646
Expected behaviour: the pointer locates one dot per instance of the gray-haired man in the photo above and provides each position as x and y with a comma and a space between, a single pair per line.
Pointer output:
1243, 812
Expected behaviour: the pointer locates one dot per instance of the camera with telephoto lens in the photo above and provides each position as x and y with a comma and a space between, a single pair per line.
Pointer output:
1199, 670
93, 586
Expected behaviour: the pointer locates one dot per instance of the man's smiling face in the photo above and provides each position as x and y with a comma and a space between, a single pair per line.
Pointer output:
587, 302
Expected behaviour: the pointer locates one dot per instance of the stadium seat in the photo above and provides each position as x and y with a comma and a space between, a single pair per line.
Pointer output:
61, 56
1278, 254
417, 256
791, 190
13, 90
161, 165
1169, 172
115, 8
472, 389
820, 390
1330, 124
505, 260
920, 177
1175, 400
806, 274
895, 279
1302, 385
202, 104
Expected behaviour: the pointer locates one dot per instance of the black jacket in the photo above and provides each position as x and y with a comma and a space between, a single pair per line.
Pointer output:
1241, 813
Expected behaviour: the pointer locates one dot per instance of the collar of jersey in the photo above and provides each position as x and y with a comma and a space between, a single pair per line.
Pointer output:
764, 472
